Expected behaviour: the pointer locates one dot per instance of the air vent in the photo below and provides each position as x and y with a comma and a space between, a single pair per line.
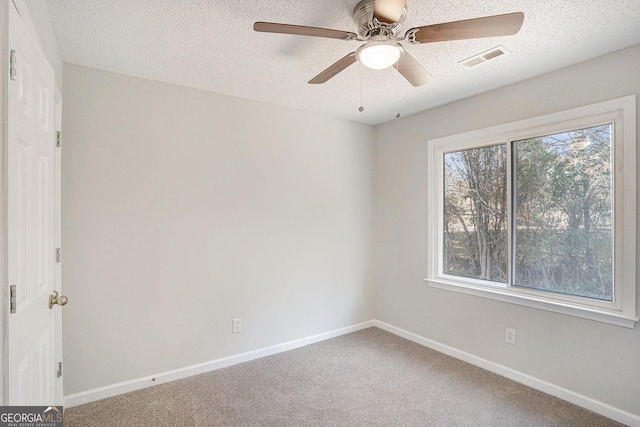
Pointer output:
484, 56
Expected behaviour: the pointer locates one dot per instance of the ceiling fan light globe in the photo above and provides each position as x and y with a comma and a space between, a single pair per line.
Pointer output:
379, 55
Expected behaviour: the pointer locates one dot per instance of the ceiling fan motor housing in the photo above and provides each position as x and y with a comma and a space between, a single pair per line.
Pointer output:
368, 26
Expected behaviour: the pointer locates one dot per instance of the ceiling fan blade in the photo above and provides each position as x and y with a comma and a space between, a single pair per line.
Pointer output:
388, 11
301, 30
489, 26
412, 70
334, 69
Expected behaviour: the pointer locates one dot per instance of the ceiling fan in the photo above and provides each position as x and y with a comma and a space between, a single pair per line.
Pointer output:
379, 23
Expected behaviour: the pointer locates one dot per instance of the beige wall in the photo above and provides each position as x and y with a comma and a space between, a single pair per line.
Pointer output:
597, 360
183, 209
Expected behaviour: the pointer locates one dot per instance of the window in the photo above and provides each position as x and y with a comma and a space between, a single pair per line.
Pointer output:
540, 212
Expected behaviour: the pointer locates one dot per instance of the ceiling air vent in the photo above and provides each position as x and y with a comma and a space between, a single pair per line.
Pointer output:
484, 56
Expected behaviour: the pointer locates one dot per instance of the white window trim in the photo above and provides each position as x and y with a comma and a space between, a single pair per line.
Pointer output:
621, 112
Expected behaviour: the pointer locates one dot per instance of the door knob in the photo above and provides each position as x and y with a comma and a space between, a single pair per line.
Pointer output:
55, 299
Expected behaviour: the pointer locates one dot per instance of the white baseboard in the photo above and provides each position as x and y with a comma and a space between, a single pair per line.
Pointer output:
176, 374
538, 384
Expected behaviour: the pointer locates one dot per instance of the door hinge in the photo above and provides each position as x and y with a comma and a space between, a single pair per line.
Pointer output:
58, 139
12, 299
12, 65
59, 370
58, 255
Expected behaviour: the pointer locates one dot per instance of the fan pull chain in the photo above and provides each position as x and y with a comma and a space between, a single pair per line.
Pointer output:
361, 108
398, 90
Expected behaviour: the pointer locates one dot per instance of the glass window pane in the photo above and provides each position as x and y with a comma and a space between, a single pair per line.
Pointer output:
475, 213
563, 213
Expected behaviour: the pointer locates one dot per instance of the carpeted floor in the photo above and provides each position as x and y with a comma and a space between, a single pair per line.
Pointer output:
367, 378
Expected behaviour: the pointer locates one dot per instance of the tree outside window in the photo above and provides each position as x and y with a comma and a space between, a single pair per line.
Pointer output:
561, 210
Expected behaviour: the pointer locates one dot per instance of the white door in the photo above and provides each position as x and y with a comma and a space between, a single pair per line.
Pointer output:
31, 219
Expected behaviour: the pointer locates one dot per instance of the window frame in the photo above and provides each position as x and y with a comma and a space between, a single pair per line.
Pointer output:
621, 113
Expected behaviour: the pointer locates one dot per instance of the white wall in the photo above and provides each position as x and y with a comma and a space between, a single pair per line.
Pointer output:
183, 209
596, 360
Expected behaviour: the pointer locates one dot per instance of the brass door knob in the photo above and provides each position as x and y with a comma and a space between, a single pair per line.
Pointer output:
55, 299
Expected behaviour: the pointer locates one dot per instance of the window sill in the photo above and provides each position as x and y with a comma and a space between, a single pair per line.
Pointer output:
596, 314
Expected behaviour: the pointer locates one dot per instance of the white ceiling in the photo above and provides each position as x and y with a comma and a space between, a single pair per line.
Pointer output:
210, 45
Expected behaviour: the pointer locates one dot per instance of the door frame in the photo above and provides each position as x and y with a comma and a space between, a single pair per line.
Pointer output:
4, 312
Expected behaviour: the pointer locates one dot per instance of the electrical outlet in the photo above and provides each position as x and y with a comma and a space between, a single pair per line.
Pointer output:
236, 326
510, 336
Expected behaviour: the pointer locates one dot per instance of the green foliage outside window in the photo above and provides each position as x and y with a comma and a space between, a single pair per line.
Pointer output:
561, 212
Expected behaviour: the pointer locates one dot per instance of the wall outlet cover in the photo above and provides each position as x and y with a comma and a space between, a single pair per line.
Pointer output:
510, 336
236, 326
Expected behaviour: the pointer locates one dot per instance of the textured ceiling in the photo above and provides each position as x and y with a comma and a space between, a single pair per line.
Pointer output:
210, 45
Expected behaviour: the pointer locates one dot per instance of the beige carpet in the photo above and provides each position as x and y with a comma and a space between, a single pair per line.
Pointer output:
367, 378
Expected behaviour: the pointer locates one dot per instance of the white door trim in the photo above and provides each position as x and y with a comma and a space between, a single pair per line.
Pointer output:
4, 313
